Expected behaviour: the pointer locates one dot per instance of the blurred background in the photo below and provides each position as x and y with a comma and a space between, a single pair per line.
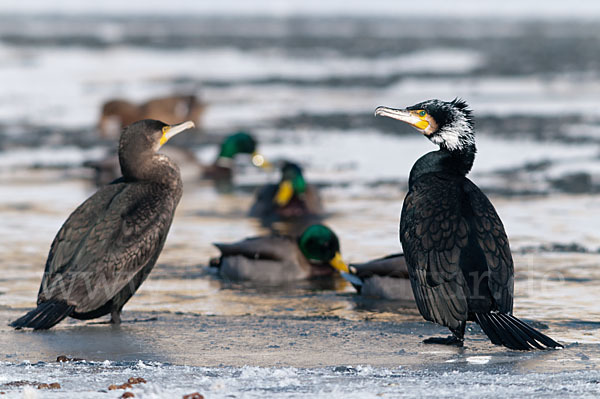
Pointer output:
304, 77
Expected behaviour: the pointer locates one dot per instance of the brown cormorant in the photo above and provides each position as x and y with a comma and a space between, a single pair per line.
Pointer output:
385, 278
109, 244
457, 252
291, 199
277, 259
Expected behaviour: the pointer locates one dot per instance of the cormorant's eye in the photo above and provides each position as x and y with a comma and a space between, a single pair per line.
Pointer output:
422, 113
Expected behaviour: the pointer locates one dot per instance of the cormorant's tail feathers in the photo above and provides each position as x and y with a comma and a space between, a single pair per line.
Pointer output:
506, 330
46, 315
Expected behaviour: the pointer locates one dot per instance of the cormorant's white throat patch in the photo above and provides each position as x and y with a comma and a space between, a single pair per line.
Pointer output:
455, 135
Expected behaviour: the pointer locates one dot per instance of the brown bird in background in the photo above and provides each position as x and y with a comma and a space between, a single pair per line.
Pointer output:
118, 113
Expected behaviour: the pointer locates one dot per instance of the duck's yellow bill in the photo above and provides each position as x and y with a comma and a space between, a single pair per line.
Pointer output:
284, 194
259, 161
338, 264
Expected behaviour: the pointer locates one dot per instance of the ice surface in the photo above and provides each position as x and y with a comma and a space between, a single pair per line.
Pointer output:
91, 380
307, 89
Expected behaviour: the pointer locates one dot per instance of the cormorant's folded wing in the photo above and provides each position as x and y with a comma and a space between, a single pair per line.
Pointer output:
492, 239
104, 243
433, 233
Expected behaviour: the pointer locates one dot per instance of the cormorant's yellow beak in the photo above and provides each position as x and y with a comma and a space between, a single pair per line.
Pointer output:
338, 264
260, 161
170, 131
284, 194
410, 117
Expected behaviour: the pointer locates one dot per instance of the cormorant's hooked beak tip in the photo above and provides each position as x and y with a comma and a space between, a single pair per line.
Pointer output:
399, 114
380, 111
338, 264
170, 131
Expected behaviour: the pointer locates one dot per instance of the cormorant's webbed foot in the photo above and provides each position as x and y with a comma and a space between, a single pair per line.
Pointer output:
450, 340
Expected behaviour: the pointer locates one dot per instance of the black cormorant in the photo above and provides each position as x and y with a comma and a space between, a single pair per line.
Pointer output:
457, 252
278, 259
385, 278
291, 198
109, 244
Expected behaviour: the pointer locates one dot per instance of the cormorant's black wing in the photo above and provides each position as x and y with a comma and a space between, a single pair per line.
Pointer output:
433, 232
104, 243
489, 230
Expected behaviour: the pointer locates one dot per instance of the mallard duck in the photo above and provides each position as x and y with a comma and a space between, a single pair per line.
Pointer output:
385, 278
457, 252
291, 198
110, 243
118, 113
238, 143
277, 259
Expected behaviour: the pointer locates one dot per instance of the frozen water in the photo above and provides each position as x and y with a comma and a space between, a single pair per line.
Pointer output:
306, 87
170, 381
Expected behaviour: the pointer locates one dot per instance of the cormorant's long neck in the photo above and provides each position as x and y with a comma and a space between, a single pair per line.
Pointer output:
152, 168
456, 162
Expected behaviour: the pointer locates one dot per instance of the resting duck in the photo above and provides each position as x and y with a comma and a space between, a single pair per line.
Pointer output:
238, 143
116, 114
277, 259
291, 198
385, 278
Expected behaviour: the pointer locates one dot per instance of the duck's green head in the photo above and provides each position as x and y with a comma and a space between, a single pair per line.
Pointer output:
241, 143
319, 242
292, 182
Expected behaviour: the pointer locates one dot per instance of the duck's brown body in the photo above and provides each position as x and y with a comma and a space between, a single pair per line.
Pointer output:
118, 113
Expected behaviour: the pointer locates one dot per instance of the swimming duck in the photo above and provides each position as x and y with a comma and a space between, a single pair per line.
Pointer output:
291, 198
385, 278
118, 113
457, 252
277, 259
238, 143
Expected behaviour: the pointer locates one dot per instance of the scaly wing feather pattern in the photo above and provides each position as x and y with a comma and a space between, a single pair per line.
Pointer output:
70, 237
491, 236
105, 243
433, 233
